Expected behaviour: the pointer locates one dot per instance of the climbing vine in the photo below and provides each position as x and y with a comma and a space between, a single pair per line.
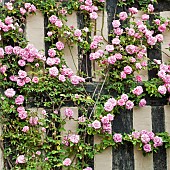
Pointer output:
35, 87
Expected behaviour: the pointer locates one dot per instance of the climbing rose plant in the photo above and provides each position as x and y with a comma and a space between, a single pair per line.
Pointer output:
36, 86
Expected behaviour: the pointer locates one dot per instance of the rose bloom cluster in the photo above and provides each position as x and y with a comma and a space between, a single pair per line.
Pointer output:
135, 54
123, 101
27, 54
94, 44
147, 138
65, 73
104, 123
28, 7
71, 138
164, 74
87, 5
8, 25
56, 21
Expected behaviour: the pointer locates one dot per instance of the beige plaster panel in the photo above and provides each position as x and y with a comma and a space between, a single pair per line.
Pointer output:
142, 120
35, 30
167, 129
103, 161
166, 41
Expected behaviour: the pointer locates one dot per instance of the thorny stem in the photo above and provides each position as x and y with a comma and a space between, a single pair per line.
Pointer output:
8, 160
163, 52
99, 93
103, 27
72, 57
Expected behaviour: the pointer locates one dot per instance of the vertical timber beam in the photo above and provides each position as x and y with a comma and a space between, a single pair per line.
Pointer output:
123, 156
158, 125
167, 129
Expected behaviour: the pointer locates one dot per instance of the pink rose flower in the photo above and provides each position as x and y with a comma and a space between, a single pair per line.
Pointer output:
67, 162
93, 15
151, 135
25, 129
22, 11
124, 97
22, 114
133, 10
53, 19
162, 28
20, 109
127, 70
110, 117
8, 49
74, 138
116, 23
20, 159
117, 137
157, 21
162, 89
118, 31
43, 129
150, 8
121, 102
131, 49
112, 59
50, 61
9, 6
138, 78
145, 17
27, 79
62, 78
105, 120
51, 52
33, 120
69, 112
142, 103
16, 50
123, 16
77, 33
109, 48
20, 82
159, 37
22, 74
136, 135
10, 92
3, 69
129, 105
123, 75
59, 23
19, 100
118, 56
115, 41
81, 119
53, 71
38, 152
88, 168
145, 138
108, 106
1, 53
49, 33
21, 63
147, 148
96, 124
157, 141
59, 45
138, 90
35, 79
